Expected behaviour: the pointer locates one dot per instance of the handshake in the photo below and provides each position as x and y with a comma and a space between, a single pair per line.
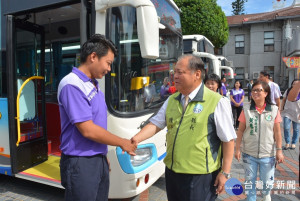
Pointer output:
129, 145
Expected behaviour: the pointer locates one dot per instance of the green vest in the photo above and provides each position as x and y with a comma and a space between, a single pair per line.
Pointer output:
193, 146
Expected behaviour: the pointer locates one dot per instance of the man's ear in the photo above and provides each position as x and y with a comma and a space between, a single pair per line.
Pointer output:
93, 56
198, 74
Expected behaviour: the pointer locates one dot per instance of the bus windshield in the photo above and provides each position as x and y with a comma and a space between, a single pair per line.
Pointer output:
137, 85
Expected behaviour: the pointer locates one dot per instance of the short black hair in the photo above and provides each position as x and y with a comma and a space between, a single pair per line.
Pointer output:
264, 73
98, 44
195, 63
213, 77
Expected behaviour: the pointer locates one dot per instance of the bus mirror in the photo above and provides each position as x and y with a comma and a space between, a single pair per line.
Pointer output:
148, 31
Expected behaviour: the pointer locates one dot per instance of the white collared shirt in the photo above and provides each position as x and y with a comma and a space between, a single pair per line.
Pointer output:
222, 116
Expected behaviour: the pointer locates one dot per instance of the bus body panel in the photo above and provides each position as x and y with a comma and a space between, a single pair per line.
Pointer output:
5, 163
127, 128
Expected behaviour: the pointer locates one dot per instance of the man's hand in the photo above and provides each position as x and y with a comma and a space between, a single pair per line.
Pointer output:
279, 156
220, 183
108, 162
128, 147
134, 141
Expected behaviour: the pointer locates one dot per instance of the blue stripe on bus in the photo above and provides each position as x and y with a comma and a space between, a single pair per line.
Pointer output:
5, 170
162, 156
125, 163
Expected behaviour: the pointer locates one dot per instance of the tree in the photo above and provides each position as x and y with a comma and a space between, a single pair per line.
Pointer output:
238, 7
206, 18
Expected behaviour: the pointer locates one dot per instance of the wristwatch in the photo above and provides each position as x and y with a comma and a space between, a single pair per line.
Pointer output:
227, 175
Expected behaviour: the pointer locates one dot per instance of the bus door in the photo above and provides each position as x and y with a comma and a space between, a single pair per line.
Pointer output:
26, 94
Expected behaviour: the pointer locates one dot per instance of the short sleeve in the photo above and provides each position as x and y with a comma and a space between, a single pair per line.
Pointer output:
159, 119
224, 121
75, 104
277, 93
231, 92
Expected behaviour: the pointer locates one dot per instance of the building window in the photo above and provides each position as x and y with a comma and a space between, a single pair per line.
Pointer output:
240, 75
270, 70
219, 51
269, 41
239, 44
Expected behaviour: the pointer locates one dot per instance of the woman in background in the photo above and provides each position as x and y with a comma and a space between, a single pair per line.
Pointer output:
290, 113
213, 82
237, 96
259, 132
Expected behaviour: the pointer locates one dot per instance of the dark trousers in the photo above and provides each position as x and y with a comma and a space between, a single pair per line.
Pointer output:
249, 95
85, 178
236, 111
190, 187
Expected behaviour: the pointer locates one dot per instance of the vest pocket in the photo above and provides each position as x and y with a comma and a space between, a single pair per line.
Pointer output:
206, 160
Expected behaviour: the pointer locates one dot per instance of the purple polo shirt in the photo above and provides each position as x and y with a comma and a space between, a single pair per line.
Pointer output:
223, 87
237, 95
79, 101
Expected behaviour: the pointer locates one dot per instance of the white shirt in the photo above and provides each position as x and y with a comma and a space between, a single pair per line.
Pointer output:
275, 91
222, 116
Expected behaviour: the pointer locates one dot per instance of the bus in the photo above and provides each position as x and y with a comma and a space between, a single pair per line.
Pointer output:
203, 47
40, 43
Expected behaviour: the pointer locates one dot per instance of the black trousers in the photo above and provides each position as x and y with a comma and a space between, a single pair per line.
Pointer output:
236, 111
85, 178
190, 187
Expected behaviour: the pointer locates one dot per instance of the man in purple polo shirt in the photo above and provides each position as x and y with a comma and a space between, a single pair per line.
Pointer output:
84, 167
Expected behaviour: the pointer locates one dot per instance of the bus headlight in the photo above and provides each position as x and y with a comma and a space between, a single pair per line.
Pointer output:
146, 155
142, 156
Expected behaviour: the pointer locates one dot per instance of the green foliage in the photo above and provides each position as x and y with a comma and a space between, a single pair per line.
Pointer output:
238, 7
206, 18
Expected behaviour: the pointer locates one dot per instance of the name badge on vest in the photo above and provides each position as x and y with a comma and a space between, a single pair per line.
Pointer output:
268, 117
198, 108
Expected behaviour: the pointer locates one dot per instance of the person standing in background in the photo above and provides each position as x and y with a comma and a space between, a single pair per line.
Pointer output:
213, 82
275, 89
249, 86
164, 89
223, 90
237, 96
290, 113
260, 135
294, 92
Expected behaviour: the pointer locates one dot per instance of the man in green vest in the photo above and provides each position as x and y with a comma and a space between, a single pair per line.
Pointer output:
199, 121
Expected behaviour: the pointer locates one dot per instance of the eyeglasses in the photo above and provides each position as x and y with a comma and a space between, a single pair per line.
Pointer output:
256, 90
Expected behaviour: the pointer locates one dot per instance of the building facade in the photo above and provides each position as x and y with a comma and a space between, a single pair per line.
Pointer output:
257, 42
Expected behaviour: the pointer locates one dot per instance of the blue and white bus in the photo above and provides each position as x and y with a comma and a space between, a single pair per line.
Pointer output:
40, 43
